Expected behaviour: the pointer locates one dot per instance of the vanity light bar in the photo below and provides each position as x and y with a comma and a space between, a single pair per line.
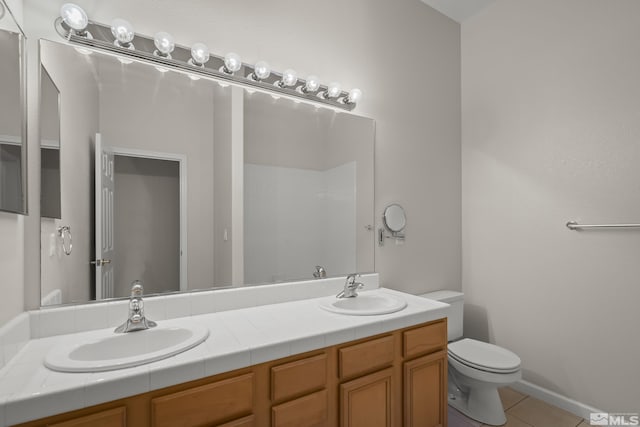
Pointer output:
99, 36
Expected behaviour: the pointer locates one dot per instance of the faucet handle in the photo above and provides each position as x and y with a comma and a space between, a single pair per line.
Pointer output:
320, 272
351, 278
136, 288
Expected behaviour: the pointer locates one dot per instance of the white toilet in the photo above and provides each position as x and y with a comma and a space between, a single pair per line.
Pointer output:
476, 369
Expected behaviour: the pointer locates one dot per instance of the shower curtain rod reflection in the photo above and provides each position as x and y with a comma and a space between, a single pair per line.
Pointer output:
572, 225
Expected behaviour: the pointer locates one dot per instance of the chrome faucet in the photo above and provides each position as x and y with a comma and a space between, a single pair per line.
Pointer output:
136, 320
320, 272
350, 287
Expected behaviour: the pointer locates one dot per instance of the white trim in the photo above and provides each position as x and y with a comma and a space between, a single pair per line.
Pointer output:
50, 144
10, 140
555, 399
182, 160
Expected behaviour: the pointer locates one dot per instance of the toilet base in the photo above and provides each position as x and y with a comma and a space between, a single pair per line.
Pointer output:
480, 404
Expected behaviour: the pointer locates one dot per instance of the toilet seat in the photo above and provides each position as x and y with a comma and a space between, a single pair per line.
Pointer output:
484, 356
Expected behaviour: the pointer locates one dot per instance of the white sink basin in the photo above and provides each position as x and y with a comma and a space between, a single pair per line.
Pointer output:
369, 303
106, 350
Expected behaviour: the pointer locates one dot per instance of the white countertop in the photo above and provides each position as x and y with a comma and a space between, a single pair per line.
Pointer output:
238, 338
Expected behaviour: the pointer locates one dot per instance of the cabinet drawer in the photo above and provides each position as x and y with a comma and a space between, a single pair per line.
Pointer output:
365, 357
425, 339
311, 410
297, 378
205, 405
111, 418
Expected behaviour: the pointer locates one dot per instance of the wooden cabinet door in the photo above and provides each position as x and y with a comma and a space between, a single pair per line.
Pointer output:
425, 382
367, 401
110, 418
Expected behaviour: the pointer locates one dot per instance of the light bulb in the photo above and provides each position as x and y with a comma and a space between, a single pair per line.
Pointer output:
312, 84
289, 78
333, 90
199, 54
355, 95
74, 17
164, 44
123, 32
232, 63
261, 71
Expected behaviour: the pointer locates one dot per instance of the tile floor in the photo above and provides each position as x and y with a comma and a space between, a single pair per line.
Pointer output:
523, 411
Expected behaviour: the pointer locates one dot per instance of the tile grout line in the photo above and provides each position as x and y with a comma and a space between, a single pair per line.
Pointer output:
524, 397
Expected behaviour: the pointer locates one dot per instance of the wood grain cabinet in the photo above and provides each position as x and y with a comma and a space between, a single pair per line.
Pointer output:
109, 418
396, 379
209, 404
424, 378
368, 401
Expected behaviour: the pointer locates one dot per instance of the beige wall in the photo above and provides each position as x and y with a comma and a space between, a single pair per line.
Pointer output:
11, 265
551, 133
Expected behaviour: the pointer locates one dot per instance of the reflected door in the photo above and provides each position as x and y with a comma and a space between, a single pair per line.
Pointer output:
104, 158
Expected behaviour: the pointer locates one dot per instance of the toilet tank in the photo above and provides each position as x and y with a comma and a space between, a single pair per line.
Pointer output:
455, 313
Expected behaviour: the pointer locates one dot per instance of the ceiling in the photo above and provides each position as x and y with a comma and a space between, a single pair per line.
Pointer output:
458, 10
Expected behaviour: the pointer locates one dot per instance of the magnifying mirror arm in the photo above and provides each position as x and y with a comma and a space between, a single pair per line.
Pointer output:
397, 235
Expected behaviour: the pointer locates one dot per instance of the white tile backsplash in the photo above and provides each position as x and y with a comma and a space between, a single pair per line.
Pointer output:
57, 321
203, 302
117, 312
154, 309
232, 299
178, 305
13, 336
68, 319
91, 316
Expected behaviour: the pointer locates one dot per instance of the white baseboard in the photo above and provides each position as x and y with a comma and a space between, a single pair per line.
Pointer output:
553, 398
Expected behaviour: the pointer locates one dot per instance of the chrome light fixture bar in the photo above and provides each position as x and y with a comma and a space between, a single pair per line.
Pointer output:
181, 59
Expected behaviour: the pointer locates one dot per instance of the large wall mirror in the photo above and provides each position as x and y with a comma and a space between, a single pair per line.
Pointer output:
49, 147
12, 115
188, 184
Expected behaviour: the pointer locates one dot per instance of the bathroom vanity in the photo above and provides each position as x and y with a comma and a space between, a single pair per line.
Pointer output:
285, 364
391, 379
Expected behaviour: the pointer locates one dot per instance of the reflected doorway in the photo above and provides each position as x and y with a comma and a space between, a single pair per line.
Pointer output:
148, 223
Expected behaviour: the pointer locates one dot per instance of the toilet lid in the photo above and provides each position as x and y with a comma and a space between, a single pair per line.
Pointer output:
484, 356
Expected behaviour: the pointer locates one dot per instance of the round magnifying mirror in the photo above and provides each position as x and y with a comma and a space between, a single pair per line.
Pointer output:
394, 218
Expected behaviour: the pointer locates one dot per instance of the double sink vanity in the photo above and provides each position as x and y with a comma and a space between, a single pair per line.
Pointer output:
222, 358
